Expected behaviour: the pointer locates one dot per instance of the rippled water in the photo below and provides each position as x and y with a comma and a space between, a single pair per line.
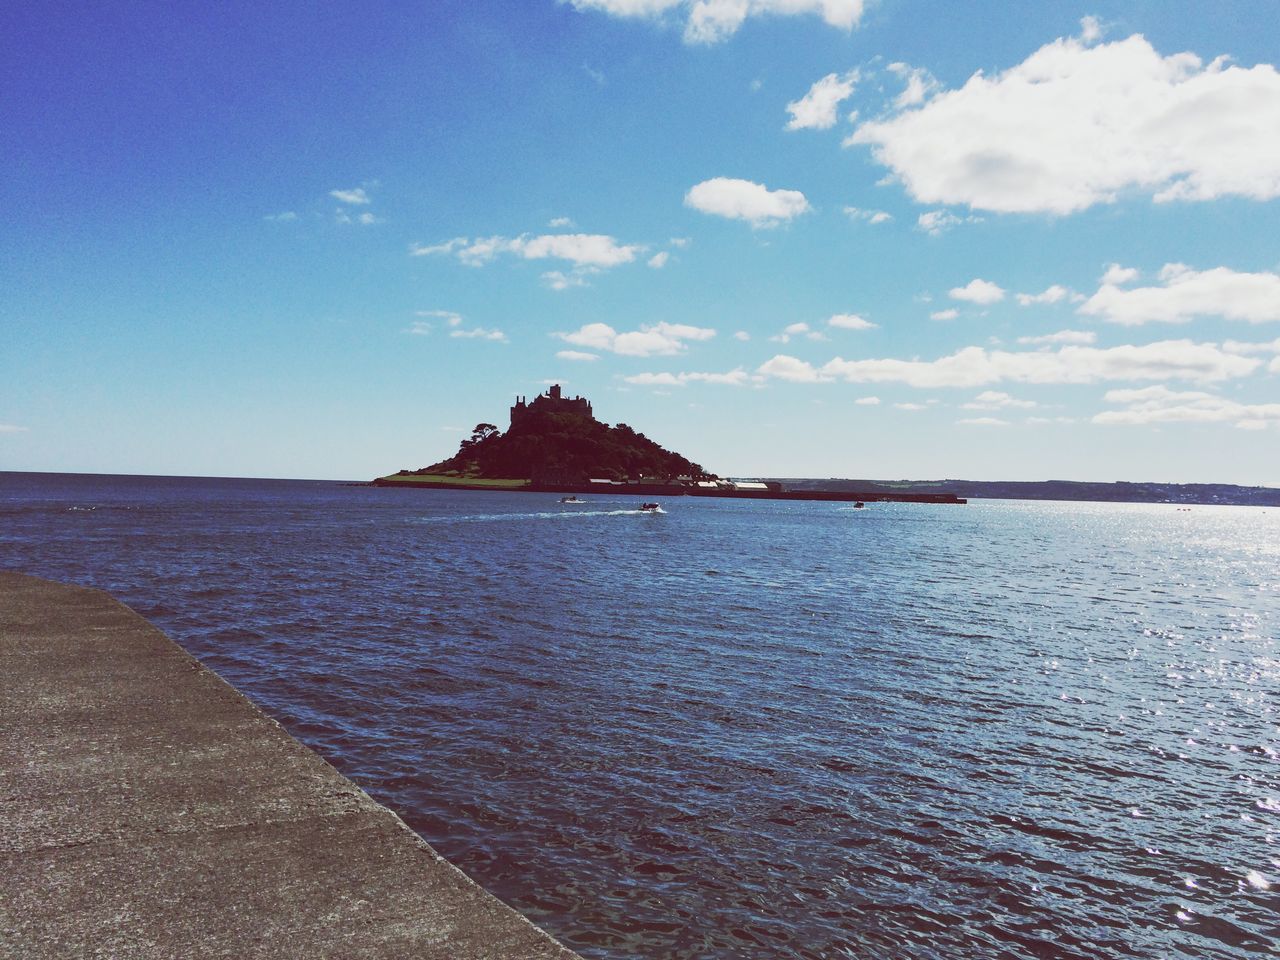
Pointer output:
752, 730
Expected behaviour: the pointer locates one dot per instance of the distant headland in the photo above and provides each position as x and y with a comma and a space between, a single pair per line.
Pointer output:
555, 444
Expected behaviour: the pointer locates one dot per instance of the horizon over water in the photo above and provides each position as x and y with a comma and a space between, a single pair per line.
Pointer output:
751, 729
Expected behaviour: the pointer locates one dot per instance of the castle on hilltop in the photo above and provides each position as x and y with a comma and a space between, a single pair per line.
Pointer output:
550, 402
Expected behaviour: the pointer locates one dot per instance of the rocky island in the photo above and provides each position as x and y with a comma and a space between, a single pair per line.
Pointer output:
554, 444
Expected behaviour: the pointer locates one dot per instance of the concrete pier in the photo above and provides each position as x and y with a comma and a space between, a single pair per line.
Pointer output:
149, 810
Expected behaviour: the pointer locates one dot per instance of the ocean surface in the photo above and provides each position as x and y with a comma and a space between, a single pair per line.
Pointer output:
750, 730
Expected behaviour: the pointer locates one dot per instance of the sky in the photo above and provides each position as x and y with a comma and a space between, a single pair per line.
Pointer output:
821, 238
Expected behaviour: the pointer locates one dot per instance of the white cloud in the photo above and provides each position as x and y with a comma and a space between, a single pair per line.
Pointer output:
659, 259
1054, 294
919, 84
783, 367
911, 407
1117, 274
1274, 366
557, 222
949, 314
576, 355
995, 400
937, 222
1235, 346
364, 219
745, 200
1076, 124
581, 249
1090, 30
285, 217
662, 339
477, 333
978, 367
741, 335
12, 428
850, 321
356, 196
873, 217
1040, 420
453, 318
710, 21
559, 280
867, 402
1186, 293
680, 242
1061, 337
800, 329
733, 378
817, 109
977, 291
592, 250
1159, 404
983, 422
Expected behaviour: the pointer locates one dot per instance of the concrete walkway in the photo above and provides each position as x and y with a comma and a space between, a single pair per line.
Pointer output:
148, 810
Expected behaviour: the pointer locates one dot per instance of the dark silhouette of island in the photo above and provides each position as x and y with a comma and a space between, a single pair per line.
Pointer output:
555, 444
555, 439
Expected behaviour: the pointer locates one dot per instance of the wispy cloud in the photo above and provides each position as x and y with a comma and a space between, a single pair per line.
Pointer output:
800, 329
732, 378
850, 321
995, 400
576, 355
660, 339
712, 21
581, 249
477, 333
1159, 404
1061, 337
356, 196
977, 367
873, 217
1053, 294
454, 324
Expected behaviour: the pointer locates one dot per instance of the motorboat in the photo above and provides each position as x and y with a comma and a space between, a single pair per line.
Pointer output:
859, 505
651, 507
572, 500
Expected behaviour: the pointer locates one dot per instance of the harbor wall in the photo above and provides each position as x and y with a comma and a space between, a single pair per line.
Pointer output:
149, 810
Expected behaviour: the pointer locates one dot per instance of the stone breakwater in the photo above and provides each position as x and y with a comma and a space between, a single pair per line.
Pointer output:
149, 810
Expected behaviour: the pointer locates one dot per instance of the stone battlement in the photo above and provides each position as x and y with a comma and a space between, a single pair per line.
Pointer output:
552, 402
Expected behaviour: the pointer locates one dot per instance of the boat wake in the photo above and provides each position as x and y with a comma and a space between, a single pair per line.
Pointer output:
544, 515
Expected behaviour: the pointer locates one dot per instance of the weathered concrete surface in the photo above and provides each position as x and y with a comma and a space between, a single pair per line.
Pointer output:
148, 810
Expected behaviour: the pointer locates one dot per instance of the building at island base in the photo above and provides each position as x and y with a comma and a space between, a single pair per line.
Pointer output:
553, 401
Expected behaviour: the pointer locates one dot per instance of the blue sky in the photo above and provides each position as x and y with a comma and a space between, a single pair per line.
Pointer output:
783, 237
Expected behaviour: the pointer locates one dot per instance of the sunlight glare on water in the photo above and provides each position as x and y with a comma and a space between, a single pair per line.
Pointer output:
751, 729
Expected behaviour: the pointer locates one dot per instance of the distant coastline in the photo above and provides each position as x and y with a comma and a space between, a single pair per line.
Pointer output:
1120, 491
911, 491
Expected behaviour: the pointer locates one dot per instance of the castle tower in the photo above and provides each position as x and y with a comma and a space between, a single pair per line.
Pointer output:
553, 401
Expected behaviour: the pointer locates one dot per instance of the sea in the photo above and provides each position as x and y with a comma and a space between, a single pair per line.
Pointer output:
751, 729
